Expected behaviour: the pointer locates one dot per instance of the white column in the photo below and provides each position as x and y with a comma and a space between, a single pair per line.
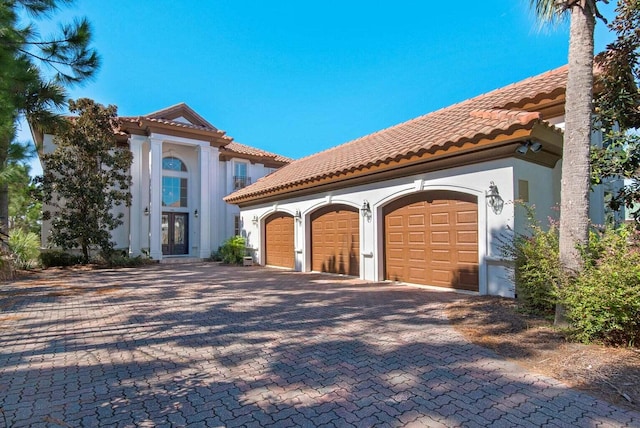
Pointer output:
155, 211
216, 193
136, 211
205, 210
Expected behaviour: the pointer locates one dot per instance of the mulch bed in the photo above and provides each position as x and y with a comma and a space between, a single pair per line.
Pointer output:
612, 374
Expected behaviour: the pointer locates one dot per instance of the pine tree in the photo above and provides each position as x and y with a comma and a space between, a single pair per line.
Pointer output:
34, 71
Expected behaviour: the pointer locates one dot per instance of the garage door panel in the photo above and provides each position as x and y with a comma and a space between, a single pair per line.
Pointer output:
338, 249
440, 256
396, 275
396, 237
437, 202
440, 237
396, 255
279, 245
449, 257
416, 220
440, 218
466, 280
441, 276
469, 257
416, 254
467, 237
416, 272
467, 217
395, 221
416, 237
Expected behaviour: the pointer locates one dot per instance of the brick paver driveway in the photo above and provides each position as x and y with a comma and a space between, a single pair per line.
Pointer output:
206, 345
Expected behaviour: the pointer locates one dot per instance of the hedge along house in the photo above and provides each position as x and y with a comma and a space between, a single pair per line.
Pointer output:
182, 168
428, 201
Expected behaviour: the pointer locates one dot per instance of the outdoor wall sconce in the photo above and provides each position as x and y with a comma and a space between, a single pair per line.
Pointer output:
534, 146
146, 211
298, 215
366, 210
494, 200
255, 220
195, 213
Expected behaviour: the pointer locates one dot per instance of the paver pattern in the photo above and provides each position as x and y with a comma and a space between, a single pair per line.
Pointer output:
205, 345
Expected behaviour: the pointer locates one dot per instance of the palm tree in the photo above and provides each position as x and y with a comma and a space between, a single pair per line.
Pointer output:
574, 196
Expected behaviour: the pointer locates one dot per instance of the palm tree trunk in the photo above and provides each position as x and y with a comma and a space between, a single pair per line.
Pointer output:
574, 200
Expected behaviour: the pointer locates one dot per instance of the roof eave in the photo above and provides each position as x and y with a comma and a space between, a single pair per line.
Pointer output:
464, 152
144, 126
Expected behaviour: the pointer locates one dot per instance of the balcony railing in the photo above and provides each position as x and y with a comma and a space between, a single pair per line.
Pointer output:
240, 181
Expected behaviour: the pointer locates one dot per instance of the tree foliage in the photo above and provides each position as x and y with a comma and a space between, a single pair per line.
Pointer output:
34, 70
602, 301
537, 270
618, 107
25, 208
85, 178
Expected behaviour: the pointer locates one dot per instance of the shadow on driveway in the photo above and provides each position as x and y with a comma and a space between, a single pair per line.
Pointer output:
210, 345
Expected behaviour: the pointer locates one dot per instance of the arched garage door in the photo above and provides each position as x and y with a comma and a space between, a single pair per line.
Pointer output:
335, 240
279, 246
431, 238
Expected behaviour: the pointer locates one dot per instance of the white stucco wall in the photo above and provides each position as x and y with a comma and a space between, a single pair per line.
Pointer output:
495, 275
544, 193
224, 222
203, 194
598, 213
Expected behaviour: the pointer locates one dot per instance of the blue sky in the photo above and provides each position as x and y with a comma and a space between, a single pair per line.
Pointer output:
298, 77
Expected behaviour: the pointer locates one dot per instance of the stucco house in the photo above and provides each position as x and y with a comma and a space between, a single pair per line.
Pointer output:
182, 168
428, 201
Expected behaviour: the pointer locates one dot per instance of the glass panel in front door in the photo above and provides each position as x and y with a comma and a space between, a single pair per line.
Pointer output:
180, 234
175, 232
165, 234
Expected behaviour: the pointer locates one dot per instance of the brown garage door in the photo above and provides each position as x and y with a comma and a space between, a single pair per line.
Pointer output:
279, 247
335, 240
431, 238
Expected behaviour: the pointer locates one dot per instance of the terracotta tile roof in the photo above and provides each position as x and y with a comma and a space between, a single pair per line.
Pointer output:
138, 119
237, 148
180, 110
173, 116
496, 113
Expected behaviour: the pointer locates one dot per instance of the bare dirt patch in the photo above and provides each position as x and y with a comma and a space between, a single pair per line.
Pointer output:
612, 374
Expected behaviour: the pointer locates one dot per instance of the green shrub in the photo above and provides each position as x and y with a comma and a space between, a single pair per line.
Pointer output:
233, 250
537, 266
25, 247
216, 256
51, 258
603, 303
123, 260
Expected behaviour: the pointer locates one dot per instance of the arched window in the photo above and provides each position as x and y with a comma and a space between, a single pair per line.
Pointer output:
171, 163
174, 183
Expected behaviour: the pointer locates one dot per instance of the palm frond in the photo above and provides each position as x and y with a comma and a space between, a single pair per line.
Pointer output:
549, 11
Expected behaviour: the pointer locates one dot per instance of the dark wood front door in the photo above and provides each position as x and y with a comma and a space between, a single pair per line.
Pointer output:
175, 233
